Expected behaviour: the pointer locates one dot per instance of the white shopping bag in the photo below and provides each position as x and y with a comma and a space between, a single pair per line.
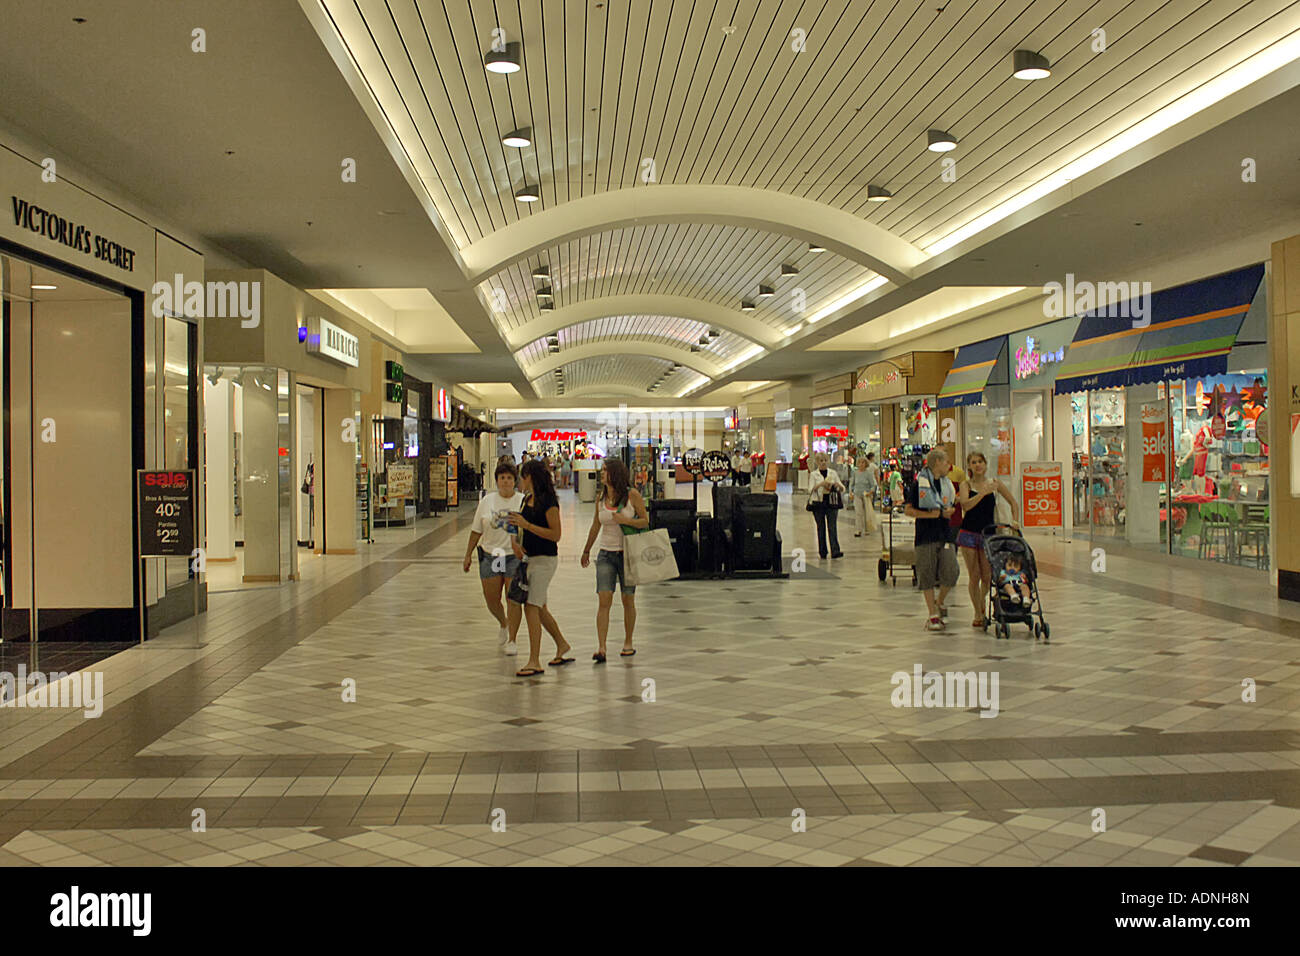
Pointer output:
648, 557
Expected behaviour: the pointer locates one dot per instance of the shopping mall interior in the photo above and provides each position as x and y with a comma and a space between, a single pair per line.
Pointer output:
882, 355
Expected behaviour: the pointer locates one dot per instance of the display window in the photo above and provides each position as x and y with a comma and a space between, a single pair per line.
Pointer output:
1219, 468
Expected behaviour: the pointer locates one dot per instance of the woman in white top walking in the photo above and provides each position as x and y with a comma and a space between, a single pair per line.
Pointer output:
490, 535
618, 507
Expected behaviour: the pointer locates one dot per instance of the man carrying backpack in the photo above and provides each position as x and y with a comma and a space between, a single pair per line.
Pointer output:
931, 501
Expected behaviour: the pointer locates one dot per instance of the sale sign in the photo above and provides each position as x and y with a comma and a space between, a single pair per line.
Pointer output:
1155, 442
1040, 491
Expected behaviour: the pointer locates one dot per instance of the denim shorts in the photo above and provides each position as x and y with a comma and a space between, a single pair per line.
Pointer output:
970, 539
508, 562
609, 569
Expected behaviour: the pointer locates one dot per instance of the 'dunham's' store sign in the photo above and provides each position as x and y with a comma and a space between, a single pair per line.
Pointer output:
539, 435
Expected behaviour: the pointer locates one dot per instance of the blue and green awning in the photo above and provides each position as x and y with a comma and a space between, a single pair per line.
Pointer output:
1189, 332
975, 368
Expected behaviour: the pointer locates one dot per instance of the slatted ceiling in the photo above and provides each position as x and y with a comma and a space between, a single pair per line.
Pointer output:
718, 264
746, 108
1128, 84
637, 371
666, 330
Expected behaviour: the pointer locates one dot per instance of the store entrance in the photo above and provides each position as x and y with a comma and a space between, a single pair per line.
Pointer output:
69, 454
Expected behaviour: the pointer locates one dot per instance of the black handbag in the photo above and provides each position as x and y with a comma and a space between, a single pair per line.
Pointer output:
833, 499
518, 589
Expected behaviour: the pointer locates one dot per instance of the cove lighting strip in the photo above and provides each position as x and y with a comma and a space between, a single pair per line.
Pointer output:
1266, 61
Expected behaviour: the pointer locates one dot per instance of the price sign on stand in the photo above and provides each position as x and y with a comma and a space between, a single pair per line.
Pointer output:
166, 505
1040, 490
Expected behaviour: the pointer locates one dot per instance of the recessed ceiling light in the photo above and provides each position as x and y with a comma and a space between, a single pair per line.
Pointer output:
545, 291
78, 19
528, 193
704, 340
541, 272
765, 290
940, 141
789, 270
518, 138
714, 333
746, 306
695, 348
45, 288
816, 247
503, 61
1028, 65
546, 305
878, 194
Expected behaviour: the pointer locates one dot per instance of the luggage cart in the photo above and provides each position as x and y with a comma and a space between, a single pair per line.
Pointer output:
897, 545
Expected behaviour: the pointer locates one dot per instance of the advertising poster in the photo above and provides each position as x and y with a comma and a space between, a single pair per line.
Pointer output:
1040, 493
1155, 442
401, 480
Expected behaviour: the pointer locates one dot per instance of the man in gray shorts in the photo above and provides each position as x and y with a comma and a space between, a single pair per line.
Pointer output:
931, 502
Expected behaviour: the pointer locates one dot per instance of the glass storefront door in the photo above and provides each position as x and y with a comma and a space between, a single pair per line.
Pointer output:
69, 454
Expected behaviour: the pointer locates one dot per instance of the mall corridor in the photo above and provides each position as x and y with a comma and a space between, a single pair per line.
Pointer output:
768, 696
890, 407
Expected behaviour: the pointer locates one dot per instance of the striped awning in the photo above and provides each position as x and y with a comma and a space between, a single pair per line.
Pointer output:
975, 368
1189, 332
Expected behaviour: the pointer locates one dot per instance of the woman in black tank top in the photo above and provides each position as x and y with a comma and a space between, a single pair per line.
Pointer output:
978, 497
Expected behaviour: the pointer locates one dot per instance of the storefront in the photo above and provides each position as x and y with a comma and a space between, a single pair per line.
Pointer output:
1168, 422
1002, 389
100, 379
284, 436
895, 402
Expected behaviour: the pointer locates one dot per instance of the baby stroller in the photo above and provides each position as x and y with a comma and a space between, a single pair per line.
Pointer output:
1002, 542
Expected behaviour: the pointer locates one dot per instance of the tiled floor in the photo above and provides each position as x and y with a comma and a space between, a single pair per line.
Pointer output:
754, 727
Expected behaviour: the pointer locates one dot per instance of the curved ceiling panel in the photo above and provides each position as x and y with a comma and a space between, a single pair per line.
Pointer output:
717, 266
671, 353
686, 312
635, 372
676, 334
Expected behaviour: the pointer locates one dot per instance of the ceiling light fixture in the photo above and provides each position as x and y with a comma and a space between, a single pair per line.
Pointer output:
1028, 65
789, 270
518, 138
816, 247
765, 290
878, 194
541, 272
705, 340
546, 305
504, 61
747, 306
44, 288
545, 292
714, 333
940, 141
528, 193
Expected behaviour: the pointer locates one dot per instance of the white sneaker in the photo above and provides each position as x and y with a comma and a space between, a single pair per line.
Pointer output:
511, 648
503, 635
934, 624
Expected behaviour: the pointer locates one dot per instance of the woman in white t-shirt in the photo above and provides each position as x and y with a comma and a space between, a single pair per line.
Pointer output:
491, 534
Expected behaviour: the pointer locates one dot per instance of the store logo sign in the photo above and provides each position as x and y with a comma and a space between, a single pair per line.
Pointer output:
830, 432
51, 225
329, 341
1030, 360
539, 435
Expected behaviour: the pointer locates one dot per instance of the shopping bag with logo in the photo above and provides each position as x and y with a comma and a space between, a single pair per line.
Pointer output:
648, 557
518, 589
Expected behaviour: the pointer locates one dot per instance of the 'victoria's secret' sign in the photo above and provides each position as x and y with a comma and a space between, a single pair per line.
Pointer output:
51, 225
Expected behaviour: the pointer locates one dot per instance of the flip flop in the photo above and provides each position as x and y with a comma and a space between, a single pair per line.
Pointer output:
560, 661
626, 653
529, 672
598, 657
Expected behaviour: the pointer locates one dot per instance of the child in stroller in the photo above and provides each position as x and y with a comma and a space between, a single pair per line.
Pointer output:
1012, 579
1013, 592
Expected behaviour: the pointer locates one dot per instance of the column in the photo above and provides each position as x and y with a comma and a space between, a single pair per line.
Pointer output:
261, 497
1283, 407
336, 502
